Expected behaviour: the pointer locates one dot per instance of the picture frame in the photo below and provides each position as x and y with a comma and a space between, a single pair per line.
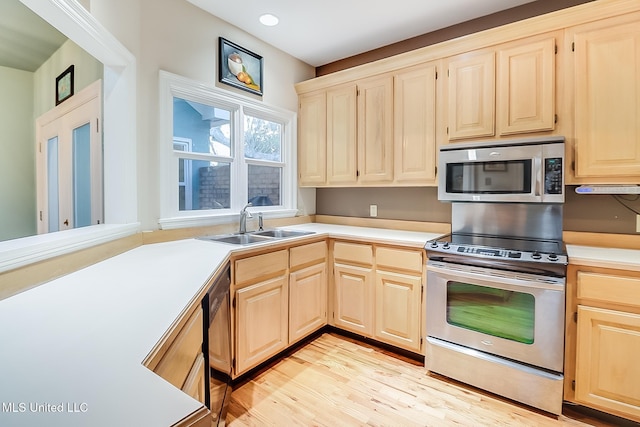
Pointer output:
239, 67
494, 167
64, 85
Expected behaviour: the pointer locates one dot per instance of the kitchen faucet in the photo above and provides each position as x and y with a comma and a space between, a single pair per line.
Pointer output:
244, 213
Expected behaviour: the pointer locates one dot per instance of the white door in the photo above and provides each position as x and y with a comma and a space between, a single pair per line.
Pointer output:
69, 172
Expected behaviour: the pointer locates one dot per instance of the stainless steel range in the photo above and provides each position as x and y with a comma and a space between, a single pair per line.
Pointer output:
496, 301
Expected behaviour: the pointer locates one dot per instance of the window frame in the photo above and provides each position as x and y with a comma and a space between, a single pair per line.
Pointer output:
171, 217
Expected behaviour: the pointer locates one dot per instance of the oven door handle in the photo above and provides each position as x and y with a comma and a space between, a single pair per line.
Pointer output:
492, 278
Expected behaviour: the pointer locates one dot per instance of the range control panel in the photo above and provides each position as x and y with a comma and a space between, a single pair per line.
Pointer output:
504, 254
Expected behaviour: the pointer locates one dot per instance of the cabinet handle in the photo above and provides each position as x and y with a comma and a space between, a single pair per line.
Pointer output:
66, 222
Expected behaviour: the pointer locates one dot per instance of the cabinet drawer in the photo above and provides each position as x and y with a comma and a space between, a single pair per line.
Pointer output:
308, 254
399, 259
353, 252
176, 363
609, 288
261, 267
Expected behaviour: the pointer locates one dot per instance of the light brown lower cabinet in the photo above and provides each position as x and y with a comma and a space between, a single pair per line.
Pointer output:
280, 297
180, 360
307, 289
353, 287
398, 306
194, 384
353, 309
378, 292
261, 308
399, 297
603, 340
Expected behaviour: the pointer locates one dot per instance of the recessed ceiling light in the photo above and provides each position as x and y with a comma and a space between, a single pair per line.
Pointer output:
269, 20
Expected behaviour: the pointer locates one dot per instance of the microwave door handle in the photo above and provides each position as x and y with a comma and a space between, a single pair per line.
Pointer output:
537, 166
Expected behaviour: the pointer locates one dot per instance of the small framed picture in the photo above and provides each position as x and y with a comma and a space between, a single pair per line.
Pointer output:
64, 85
239, 67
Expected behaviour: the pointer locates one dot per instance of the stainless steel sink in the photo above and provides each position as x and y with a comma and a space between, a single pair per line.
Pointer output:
238, 239
255, 237
281, 234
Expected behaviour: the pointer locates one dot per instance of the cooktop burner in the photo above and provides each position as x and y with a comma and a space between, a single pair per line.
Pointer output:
503, 252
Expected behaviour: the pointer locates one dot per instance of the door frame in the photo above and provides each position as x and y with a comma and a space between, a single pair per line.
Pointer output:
91, 93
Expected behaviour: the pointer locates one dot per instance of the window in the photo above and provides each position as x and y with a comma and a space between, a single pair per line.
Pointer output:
220, 152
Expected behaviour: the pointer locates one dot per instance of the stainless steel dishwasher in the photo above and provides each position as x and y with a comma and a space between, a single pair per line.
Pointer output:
217, 347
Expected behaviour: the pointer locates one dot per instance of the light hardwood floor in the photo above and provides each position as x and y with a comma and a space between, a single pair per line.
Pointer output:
335, 381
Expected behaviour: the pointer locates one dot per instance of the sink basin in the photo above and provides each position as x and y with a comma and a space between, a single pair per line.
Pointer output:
255, 237
238, 239
281, 234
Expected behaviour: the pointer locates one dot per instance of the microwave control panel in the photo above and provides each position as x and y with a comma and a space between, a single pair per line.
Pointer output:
553, 175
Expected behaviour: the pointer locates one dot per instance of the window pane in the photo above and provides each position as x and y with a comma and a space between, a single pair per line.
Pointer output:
262, 139
498, 312
264, 185
81, 176
204, 185
207, 127
52, 184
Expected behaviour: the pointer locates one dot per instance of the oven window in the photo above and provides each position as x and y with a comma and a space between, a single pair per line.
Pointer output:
507, 177
497, 312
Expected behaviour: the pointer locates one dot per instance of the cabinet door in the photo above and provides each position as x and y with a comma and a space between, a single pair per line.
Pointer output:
375, 130
194, 385
526, 87
607, 372
415, 125
354, 298
398, 302
341, 135
179, 358
471, 95
607, 99
312, 139
307, 301
261, 322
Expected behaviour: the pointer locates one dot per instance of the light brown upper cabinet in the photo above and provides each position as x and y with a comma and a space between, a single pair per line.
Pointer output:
341, 135
346, 134
471, 95
375, 129
526, 87
607, 99
312, 139
415, 105
505, 90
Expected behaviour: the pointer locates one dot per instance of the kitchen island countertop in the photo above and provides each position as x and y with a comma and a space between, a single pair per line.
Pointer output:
73, 348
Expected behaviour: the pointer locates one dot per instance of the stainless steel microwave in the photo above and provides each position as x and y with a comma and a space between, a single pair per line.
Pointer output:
520, 170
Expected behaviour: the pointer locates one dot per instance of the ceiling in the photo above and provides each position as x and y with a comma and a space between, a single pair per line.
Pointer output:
317, 33
26, 40
322, 32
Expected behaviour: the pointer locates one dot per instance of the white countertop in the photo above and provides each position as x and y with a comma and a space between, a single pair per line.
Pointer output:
627, 259
77, 343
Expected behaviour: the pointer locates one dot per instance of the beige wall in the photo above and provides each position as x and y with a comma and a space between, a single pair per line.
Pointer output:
17, 184
86, 71
590, 213
175, 36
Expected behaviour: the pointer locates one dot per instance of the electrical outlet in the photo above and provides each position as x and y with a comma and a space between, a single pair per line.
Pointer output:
637, 223
373, 210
